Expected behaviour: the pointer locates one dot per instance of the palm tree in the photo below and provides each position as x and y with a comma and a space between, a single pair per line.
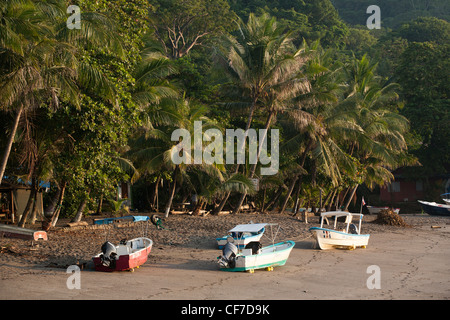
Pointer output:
380, 146
35, 66
260, 61
153, 149
41, 60
152, 85
313, 122
254, 58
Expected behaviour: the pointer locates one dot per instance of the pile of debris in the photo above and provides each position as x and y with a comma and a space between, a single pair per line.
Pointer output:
389, 217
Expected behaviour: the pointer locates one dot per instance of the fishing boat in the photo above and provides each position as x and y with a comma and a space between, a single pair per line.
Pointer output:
253, 256
119, 219
21, 233
243, 234
127, 255
376, 210
446, 197
348, 237
435, 209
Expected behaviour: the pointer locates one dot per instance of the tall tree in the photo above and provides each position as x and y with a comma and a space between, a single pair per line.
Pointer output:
255, 59
35, 66
180, 26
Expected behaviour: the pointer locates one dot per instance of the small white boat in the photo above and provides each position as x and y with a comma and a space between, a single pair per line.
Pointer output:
253, 256
243, 234
376, 210
348, 237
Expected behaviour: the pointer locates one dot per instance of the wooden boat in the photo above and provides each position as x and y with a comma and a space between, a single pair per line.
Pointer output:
348, 237
253, 256
376, 210
127, 255
268, 257
435, 209
243, 234
22, 233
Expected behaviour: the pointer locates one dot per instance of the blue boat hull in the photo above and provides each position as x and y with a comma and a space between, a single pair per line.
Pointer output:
435, 209
112, 220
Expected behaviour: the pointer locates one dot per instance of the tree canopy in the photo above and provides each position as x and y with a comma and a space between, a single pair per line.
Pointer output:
88, 109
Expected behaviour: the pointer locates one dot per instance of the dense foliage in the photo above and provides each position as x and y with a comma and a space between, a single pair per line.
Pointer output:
89, 108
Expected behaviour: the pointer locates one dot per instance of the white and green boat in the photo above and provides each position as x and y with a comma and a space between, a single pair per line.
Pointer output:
253, 256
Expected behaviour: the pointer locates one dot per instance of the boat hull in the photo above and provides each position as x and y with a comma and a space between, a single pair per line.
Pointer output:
435, 209
22, 233
127, 261
271, 256
329, 239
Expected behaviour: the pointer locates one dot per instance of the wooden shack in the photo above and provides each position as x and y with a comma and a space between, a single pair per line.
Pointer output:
13, 201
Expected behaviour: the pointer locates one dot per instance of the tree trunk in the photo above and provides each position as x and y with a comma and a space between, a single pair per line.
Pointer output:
350, 198
263, 200
10, 142
172, 193
288, 195
100, 204
55, 214
297, 195
299, 205
286, 200
156, 195
35, 207
197, 208
253, 167
320, 202
341, 202
330, 203
81, 207
30, 204
51, 207
275, 198
247, 127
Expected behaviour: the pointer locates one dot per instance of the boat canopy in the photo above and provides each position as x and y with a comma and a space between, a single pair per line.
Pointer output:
340, 214
251, 227
337, 214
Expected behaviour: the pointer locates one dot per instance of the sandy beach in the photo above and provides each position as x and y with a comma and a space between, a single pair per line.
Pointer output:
412, 263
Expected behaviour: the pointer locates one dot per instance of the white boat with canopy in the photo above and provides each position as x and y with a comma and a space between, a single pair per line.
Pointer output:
253, 256
243, 234
347, 235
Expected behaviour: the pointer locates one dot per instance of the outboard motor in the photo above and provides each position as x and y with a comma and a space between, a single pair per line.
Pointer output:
229, 252
109, 255
353, 229
255, 246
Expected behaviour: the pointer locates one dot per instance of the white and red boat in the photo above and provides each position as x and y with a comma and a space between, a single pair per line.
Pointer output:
127, 255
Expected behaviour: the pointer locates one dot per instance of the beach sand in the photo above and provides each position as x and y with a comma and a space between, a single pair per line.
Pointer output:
412, 263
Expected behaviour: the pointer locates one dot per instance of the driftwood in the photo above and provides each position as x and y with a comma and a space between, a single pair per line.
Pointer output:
76, 224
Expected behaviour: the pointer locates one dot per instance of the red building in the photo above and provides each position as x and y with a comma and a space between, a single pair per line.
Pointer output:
409, 189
